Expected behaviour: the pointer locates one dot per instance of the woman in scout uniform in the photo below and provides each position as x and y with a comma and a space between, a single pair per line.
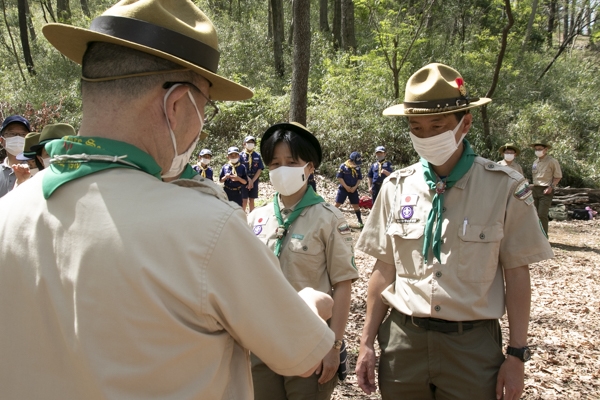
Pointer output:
203, 167
233, 176
350, 176
379, 171
313, 242
509, 151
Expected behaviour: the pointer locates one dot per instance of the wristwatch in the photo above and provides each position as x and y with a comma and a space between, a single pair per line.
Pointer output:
337, 344
523, 354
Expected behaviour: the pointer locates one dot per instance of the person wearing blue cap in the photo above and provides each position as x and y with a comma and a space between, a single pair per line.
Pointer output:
350, 176
12, 139
254, 166
233, 176
203, 166
378, 171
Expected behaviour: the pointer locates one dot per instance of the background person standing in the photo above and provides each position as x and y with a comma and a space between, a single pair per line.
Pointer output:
546, 174
12, 138
509, 152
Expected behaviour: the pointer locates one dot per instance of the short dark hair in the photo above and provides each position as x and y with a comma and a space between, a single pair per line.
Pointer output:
299, 147
103, 60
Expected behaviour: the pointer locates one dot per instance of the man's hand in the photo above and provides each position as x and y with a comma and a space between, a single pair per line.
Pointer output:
321, 303
329, 366
22, 172
548, 190
365, 369
511, 378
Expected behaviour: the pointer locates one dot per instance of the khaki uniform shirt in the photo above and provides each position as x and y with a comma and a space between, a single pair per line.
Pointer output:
317, 250
120, 286
544, 171
514, 165
488, 224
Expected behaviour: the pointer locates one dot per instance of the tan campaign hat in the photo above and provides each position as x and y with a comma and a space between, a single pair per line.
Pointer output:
541, 143
175, 30
52, 132
510, 146
435, 89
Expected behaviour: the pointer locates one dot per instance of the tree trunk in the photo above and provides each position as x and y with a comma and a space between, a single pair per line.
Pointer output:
323, 21
85, 8
30, 22
21, 8
534, 5
12, 41
337, 23
348, 37
277, 13
63, 10
270, 19
486, 122
291, 32
551, 22
566, 21
301, 64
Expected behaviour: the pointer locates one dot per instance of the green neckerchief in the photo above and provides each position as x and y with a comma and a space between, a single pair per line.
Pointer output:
74, 157
188, 172
309, 198
435, 215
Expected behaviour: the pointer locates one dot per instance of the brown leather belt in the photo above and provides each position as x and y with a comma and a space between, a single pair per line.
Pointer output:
442, 325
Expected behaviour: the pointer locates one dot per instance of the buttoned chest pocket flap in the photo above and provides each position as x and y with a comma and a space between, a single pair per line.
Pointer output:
479, 251
308, 259
407, 248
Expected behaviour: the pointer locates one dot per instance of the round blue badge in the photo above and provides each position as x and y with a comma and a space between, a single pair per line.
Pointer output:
257, 229
407, 212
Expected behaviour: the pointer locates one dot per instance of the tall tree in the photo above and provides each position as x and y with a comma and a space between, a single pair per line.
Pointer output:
323, 21
565, 20
348, 37
277, 15
23, 29
337, 23
13, 47
85, 8
301, 63
63, 10
534, 5
551, 22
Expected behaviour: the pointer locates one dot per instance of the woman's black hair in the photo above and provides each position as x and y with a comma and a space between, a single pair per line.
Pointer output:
300, 147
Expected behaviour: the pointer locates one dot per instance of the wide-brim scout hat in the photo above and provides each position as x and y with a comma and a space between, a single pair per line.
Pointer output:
298, 129
175, 30
509, 146
31, 139
541, 143
52, 132
435, 89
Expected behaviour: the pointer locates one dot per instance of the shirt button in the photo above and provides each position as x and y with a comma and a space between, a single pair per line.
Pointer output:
438, 274
437, 308
481, 236
443, 209
304, 248
285, 212
405, 234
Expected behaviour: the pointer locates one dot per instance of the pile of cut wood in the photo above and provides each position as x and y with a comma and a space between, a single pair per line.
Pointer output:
577, 198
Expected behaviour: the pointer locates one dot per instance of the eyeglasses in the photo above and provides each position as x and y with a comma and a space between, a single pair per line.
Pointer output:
10, 134
213, 109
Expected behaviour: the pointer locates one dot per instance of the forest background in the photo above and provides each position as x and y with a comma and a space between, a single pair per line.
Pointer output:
335, 65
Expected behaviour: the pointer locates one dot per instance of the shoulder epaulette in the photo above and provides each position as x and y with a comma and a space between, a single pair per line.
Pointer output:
401, 173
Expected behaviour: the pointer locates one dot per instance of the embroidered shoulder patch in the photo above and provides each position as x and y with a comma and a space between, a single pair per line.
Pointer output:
523, 192
344, 228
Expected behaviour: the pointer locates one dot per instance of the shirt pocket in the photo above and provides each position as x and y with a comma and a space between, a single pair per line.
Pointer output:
479, 251
408, 246
306, 260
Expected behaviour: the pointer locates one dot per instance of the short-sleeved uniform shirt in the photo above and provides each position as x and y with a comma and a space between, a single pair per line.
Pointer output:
106, 295
544, 171
252, 166
375, 171
205, 172
228, 169
317, 250
489, 224
514, 165
7, 178
349, 176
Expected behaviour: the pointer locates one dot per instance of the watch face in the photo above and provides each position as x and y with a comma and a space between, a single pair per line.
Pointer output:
526, 354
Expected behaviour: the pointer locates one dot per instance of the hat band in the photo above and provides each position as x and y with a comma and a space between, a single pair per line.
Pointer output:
158, 38
443, 104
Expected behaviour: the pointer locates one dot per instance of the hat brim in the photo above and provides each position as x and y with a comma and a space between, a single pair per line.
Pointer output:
23, 157
502, 149
296, 129
72, 41
399, 109
548, 146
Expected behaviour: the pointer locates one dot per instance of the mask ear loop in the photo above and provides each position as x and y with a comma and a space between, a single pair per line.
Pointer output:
167, 117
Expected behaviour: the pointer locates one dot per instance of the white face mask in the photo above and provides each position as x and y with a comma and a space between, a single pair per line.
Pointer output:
250, 146
14, 145
180, 160
288, 180
46, 162
380, 158
234, 160
509, 157
205, 161
439, 148
539, 153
